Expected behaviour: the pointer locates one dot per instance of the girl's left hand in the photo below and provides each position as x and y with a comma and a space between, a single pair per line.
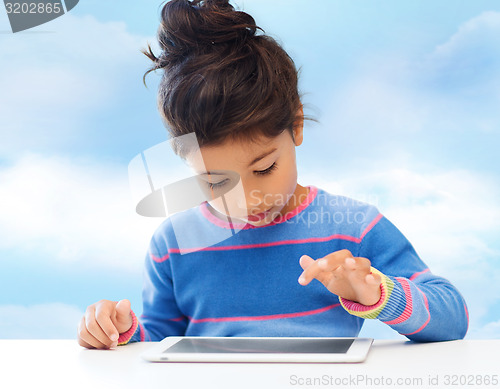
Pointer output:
344, 275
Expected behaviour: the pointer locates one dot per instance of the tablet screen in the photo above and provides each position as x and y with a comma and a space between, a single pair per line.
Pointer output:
256, 345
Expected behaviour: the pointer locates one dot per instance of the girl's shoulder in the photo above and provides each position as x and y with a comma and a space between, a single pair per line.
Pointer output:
343, 211
341, 203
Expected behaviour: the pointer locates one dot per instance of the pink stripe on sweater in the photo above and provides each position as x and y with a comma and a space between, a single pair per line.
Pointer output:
467, 314
418, 274
428, 319
409, 303
159, 260
353, 306
270, 244
218, 222
370, 226
265, 317
180, 318
177, 319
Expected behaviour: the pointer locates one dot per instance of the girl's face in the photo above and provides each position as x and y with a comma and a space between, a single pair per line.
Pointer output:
268, 173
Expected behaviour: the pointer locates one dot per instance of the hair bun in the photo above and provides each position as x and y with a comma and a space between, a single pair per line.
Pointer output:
196, 26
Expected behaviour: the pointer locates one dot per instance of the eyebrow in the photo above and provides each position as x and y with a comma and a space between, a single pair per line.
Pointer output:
262, 156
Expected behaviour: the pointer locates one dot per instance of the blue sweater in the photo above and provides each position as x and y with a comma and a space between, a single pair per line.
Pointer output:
207, 277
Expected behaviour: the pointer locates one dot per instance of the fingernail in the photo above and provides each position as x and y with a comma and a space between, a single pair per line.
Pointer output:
350, 261
302, 279
114, 337
322, 263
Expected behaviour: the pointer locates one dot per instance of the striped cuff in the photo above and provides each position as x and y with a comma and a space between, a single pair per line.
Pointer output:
371, 311
126, 336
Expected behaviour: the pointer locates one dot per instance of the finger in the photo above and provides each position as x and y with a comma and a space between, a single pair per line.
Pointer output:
84, 344
94, 328
122, 319
309, 273
322, 267
333, 260
357, 263
314, 272
103, 313
305, 261
350, 264
363, 264
369, 289
123, 310
356, 270
373, 279
336, 274
85, 338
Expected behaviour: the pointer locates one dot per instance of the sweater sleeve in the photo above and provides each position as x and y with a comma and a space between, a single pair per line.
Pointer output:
161, 316
414, 302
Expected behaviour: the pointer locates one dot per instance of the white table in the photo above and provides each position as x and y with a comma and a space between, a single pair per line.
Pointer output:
64, 364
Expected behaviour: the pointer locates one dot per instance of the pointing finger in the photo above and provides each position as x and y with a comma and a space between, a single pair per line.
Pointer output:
85, 338
322, 268
103, 318
311, 272
94, 328
305, 261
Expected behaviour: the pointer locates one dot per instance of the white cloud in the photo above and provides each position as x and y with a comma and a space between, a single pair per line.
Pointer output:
43, 321
51, 82
465, 73
488, 331
56, 209
475, 45
391, 104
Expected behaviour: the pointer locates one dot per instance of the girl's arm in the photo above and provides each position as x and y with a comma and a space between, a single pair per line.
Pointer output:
161, 316
414, 302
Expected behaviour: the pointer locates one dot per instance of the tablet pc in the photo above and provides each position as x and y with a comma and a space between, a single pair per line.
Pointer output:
258, 349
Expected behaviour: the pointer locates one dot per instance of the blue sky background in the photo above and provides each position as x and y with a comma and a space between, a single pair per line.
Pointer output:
407, 95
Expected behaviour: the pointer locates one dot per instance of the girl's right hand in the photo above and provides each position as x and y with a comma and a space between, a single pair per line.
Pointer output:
103, 323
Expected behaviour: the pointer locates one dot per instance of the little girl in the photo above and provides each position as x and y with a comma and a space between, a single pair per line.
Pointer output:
236, 90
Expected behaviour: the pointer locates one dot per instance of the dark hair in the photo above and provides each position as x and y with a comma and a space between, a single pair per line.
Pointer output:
221, 79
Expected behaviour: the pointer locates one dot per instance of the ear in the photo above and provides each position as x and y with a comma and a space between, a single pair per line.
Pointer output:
298, 127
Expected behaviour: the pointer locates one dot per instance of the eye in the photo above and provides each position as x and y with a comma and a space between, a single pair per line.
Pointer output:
214, 185
266, 171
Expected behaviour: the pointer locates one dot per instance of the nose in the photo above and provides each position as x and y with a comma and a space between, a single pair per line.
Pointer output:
250, 201
254, 201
